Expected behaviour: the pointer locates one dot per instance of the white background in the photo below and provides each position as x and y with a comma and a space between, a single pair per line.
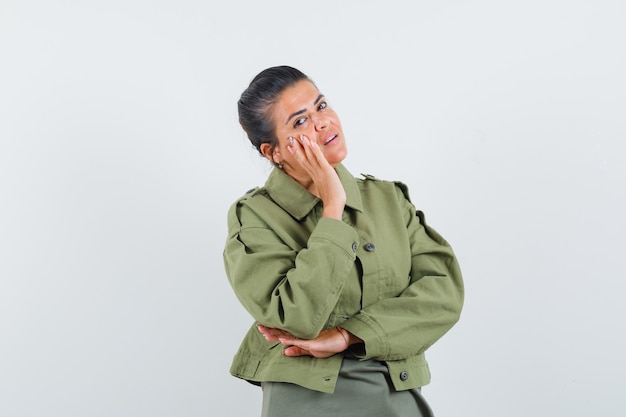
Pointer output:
121, 152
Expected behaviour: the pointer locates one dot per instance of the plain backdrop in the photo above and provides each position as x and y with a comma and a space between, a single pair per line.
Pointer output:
121, 153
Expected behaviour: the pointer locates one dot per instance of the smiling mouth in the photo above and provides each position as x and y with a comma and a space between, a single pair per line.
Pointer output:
330, 139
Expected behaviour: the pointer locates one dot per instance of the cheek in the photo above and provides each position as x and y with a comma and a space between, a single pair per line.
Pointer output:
336, 155
284, 152
282, 140
335, 119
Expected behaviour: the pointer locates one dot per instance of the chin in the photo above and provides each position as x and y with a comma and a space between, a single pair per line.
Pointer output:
337, 158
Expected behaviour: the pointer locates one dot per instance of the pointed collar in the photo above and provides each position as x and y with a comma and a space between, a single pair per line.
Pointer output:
298, 201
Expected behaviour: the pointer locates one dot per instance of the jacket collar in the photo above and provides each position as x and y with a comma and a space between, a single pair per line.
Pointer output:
298, 201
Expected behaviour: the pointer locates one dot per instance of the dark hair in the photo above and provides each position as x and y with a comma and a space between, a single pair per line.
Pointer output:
256, 102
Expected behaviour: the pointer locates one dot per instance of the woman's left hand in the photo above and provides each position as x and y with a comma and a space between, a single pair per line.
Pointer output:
326, 344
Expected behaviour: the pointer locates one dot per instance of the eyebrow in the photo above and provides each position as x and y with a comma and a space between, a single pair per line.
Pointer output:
292, 115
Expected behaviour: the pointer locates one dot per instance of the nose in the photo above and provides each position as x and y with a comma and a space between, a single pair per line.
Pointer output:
320, 122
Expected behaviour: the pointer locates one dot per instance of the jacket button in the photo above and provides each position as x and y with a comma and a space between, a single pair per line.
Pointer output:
369, 247
354, 246
404, 375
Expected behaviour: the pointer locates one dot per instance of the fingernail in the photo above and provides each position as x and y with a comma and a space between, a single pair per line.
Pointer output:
290, 140
301, 138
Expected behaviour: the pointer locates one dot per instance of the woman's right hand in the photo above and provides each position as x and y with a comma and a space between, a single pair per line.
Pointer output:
325, 181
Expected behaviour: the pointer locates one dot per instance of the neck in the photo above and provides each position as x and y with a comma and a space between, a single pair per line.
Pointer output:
306, 182
309, 185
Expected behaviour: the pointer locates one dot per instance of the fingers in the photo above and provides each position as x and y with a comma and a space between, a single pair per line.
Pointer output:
313, 151
290, 340
286, 338
328, 343
296, 147
293, 351
296, 351
272, 334
307, 153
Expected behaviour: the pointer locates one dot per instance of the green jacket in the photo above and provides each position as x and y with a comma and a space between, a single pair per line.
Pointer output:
381, 273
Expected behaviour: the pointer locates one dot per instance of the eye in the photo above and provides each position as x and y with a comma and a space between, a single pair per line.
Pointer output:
299, 122
322, 105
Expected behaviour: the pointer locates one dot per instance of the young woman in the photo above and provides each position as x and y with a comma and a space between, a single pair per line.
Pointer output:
346, 283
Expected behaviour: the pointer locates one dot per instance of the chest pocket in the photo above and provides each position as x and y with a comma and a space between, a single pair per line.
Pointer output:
385, 250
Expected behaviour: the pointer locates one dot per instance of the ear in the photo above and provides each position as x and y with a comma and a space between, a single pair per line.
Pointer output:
270, 152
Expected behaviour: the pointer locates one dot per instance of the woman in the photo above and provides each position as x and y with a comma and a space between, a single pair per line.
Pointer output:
346, 282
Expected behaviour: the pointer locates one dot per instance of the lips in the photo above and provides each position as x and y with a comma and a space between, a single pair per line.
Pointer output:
330, 138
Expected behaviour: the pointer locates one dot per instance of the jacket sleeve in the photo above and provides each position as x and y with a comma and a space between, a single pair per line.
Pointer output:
281, 282
406, 325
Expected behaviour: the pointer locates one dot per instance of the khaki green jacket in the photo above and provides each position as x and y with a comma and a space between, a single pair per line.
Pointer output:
381, 273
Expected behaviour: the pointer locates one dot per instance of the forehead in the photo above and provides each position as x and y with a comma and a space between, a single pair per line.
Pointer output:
297, 97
